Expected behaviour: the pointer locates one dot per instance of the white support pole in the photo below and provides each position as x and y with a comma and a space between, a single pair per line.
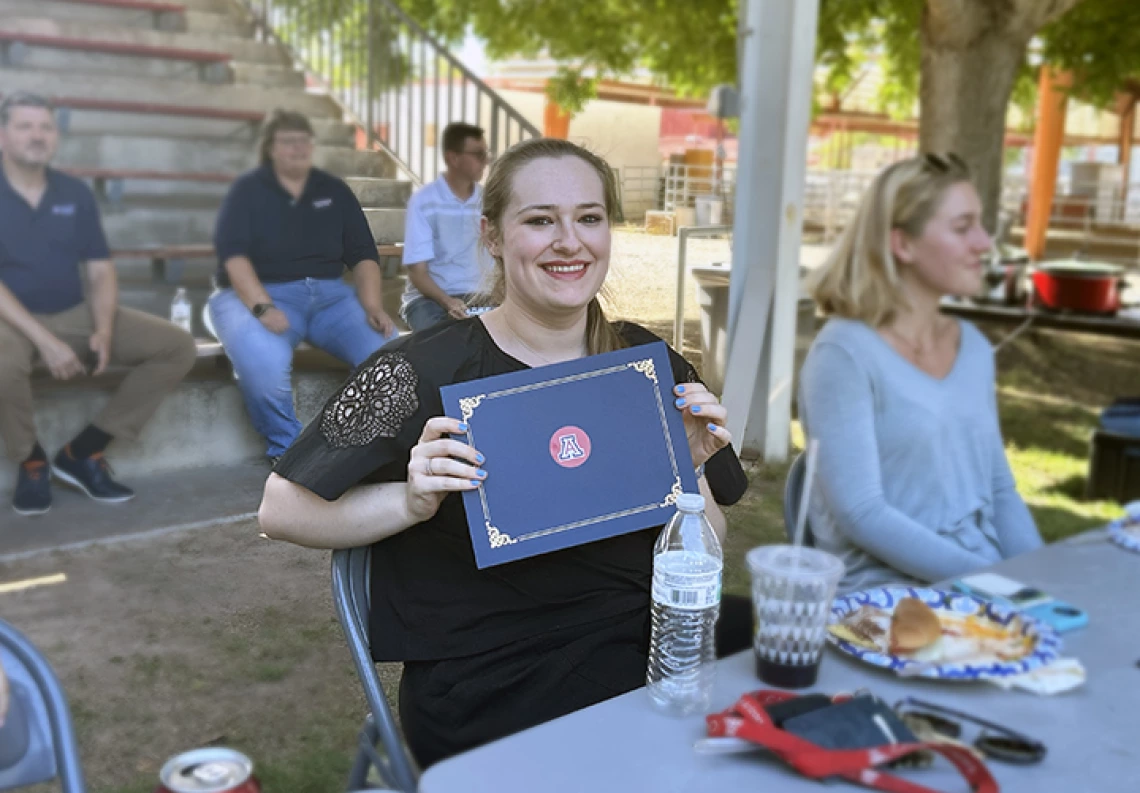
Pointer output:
775, 114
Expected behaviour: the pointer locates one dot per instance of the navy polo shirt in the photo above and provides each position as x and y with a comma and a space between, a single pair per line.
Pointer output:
286, 238
41, 248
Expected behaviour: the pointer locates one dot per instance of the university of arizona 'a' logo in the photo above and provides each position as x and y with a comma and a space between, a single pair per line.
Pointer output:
570, 447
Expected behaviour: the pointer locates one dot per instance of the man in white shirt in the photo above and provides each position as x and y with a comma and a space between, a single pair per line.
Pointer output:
441, 234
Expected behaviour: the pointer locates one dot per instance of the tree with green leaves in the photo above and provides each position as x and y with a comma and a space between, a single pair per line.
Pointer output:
961, 60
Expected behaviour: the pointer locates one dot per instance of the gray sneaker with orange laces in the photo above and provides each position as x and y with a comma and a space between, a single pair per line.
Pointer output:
92, 475
33, 488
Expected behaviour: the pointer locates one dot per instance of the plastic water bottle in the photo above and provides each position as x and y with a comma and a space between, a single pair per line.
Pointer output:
687, 565
181, 310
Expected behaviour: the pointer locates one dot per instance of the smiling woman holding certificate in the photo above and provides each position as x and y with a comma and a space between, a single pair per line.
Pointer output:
489, 652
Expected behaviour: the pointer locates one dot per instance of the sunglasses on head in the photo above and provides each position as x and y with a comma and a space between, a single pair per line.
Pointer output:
994, 741
944, 163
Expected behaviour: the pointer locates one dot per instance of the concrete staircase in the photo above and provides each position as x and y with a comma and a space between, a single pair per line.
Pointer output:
149, 113
164, 102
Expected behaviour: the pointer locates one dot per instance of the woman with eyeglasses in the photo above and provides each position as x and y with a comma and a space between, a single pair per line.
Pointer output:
286, 234
913, 484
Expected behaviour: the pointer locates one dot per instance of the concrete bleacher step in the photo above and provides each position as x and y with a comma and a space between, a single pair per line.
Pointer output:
329, 131
234, 98
138, 226
88, 13
211, 6
239, 49
66, 62
202, 424
158, 154
373, 192
344, 162
70, 61
223, 24
268, 75
174, 193
387, 224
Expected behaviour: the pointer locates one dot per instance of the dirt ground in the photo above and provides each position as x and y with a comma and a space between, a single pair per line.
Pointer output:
218, 637
209, 637
214, 636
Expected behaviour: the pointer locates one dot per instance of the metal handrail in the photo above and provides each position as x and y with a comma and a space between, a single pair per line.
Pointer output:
391, 77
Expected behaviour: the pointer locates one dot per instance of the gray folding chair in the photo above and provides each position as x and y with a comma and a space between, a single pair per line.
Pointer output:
37, 741
351, 594
793, 492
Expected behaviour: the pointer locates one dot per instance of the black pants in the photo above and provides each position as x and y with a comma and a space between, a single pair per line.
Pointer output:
450, 706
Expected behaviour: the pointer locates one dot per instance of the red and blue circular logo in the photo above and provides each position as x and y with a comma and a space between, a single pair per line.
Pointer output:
570, 447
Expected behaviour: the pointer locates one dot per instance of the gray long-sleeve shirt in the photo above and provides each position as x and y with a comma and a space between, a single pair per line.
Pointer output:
912, 482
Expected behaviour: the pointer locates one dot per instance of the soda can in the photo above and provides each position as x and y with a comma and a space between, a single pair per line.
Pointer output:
210, 770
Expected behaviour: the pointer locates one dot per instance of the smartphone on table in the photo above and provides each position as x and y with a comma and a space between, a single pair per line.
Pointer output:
1026, 599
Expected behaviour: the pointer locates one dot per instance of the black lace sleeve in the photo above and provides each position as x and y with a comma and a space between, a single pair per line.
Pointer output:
366, 428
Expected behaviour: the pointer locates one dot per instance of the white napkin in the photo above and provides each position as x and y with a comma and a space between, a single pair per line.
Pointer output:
1062, 675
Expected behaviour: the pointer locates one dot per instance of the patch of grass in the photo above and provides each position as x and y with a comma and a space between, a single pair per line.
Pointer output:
316, 768
270, 672
1051, 390
757, 519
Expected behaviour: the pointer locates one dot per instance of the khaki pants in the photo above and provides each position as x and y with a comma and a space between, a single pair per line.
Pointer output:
158, 353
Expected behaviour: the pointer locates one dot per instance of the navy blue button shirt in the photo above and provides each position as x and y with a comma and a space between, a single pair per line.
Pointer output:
314, 236
41, 248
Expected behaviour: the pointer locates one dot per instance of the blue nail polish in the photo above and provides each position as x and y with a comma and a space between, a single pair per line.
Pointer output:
462, 426
713, 428
680, 389
696, 408
481, 474
477, 484
479, 458
680, 402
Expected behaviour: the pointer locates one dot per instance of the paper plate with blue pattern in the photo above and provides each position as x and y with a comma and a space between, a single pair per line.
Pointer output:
1125, 532
1038, 643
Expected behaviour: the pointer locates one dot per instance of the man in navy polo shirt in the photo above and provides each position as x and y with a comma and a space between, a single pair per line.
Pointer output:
285, 235
49, 228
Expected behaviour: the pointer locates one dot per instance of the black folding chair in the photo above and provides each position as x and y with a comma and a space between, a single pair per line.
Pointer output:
351, 594
793, 492
37, 741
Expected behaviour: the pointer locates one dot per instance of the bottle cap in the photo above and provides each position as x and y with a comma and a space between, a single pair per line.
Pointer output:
691, 502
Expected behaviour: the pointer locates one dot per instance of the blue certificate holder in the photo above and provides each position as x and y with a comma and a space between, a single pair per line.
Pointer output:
576, 452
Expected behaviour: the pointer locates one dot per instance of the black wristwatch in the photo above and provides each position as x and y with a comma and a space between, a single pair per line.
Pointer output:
259, 309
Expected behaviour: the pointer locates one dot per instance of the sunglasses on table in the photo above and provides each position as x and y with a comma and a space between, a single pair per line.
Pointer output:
993, 740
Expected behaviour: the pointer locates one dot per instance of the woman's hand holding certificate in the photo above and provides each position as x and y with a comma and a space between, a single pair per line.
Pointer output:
439, 465
704, 421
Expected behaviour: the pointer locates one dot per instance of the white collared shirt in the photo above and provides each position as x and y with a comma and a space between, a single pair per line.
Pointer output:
444, 232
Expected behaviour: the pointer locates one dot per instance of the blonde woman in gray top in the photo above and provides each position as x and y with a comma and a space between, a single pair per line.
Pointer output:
913, 484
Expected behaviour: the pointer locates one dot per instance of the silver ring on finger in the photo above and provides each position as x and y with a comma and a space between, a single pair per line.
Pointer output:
431, 470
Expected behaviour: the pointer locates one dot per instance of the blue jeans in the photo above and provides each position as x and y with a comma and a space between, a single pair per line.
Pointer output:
324, 312
423, 312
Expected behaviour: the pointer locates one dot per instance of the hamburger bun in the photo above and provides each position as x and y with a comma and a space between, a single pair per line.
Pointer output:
914, 625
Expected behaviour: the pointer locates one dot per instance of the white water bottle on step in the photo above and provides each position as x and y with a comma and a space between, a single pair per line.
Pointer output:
181, 310
687, 565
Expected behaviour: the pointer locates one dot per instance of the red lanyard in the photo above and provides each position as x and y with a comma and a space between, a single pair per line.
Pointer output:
749, 720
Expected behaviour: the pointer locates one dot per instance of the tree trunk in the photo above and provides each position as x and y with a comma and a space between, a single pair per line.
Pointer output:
971, 52
964, 95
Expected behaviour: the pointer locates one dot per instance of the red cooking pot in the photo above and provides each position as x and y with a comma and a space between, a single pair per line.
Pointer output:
1087, 287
